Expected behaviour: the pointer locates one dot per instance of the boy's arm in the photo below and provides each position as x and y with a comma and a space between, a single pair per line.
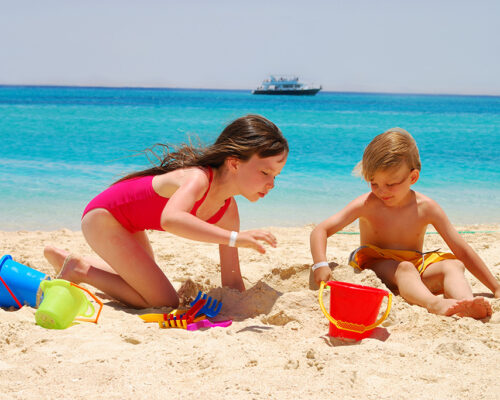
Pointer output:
327, 228
462, 250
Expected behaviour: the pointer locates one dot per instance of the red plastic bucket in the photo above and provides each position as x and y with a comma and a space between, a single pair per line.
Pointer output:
354, 309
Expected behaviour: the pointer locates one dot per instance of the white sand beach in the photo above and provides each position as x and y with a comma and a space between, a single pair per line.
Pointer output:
277, 347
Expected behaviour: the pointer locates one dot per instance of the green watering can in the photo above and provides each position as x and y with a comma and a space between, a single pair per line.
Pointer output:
64, 302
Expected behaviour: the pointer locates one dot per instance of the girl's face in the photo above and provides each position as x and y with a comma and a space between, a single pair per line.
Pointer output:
255, 177
393, 185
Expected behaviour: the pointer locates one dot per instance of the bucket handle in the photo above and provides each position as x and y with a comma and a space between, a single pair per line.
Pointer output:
349, 326
12, 294
94, 320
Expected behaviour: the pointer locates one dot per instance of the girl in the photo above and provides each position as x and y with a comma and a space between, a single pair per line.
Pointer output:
190, 194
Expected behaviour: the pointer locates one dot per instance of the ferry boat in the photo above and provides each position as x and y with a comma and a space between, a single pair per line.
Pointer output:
289, 85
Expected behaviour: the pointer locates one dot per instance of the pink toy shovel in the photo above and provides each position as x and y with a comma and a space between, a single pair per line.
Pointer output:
205, 323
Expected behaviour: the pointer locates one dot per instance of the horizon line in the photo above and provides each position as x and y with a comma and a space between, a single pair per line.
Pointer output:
236, 90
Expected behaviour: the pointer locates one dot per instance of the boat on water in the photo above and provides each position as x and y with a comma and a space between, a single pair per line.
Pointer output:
287, 85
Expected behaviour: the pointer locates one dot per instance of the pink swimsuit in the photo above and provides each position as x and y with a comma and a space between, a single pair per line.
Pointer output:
136, 206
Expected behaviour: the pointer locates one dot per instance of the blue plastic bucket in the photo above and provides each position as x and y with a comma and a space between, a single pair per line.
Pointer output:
23, 281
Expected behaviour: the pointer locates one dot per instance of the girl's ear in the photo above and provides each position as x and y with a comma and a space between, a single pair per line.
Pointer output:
232, 163
414, 175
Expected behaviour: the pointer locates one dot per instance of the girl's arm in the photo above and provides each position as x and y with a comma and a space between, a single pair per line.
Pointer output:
229, 259
320, 234
177, 219
462, 250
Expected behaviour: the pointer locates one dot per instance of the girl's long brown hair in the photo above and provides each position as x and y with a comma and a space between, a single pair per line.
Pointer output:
242, 138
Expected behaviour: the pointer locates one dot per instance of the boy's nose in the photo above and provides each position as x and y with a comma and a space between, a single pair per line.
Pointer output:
382, 190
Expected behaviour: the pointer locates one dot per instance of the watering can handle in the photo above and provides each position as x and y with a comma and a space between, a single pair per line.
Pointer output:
364, 328
97, 301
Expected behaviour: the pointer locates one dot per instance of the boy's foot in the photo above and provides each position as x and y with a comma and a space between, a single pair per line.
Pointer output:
477, 307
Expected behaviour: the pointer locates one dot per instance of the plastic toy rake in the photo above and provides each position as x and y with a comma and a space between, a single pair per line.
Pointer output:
175, 319
212, 306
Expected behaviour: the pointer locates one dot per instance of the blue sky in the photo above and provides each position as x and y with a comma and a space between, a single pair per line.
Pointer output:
359, 45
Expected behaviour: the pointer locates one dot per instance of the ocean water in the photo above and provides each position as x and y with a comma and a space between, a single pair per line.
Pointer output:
63, 145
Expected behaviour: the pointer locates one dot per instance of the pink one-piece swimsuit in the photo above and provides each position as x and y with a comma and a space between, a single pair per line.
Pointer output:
136, 206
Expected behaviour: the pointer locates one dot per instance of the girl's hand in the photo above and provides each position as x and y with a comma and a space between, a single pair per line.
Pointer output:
497, 293
250, 239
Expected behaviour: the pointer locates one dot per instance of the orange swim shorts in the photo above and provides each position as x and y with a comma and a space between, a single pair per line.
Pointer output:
365, 256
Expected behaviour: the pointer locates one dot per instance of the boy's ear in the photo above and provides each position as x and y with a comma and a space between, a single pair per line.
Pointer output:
414, 175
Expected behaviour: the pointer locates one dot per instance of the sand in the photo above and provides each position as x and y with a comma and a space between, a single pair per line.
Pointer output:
277, 347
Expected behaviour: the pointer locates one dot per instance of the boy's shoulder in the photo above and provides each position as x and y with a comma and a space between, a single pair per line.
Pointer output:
422, 201
363, 200
428, 207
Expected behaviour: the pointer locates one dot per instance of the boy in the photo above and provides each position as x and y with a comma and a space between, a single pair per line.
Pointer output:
392, 222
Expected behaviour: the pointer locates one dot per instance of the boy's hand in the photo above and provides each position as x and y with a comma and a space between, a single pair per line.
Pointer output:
322, 274
251, 239
497, 293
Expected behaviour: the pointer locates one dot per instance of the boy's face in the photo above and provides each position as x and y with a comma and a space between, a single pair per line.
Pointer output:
393, 185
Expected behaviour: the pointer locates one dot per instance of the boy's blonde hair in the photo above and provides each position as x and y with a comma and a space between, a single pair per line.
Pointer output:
387, 150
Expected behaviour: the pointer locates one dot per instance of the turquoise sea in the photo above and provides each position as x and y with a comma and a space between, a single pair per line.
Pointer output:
63, 145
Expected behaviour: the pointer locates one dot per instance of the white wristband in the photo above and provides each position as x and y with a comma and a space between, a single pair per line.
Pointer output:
232, 239
319, 265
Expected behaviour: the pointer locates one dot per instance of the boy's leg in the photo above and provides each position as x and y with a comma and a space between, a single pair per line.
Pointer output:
406, 278
448, 277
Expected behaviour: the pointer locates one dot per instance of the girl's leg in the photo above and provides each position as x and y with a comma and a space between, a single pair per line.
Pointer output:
140, 282
56, 257
128, 271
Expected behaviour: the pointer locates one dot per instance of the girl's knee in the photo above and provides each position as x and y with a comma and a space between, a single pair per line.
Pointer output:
162, 300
